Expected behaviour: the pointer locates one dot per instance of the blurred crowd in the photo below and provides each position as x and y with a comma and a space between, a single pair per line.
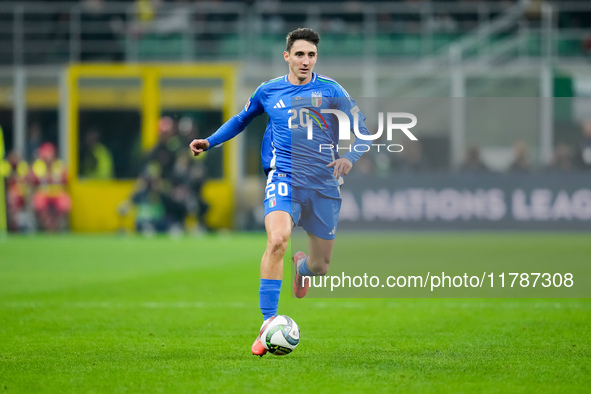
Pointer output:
166, 197
36, 195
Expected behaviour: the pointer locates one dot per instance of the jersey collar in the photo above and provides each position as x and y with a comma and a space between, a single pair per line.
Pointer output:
311, 81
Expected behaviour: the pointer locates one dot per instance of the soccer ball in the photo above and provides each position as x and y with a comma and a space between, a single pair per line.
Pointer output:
281, 336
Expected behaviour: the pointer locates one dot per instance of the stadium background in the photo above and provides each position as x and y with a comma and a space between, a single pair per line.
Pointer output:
117, 67
88, 312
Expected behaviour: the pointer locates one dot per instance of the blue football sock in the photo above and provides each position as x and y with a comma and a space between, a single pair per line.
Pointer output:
303, 269
269, 297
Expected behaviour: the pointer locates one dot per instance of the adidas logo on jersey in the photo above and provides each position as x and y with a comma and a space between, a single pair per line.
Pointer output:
279, 104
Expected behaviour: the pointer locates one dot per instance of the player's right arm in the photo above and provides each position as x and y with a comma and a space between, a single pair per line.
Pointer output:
199, 146
234, 126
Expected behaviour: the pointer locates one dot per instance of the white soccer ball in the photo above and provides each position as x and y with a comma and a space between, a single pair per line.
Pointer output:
281, 336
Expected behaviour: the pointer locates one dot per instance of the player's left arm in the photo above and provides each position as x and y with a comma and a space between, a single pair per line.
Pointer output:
341, 166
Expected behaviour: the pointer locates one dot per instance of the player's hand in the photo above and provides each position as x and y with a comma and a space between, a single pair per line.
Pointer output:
341, 166
198, 146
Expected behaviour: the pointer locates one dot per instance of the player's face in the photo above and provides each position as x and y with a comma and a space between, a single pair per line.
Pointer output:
301, 59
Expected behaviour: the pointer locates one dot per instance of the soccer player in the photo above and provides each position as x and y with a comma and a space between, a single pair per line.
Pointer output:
303, 169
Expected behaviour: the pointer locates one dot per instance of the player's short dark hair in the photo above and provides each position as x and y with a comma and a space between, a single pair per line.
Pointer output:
302, 33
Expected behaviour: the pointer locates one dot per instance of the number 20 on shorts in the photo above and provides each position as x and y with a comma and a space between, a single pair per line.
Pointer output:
282, 189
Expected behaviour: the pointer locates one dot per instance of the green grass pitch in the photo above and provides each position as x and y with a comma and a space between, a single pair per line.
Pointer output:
87, 314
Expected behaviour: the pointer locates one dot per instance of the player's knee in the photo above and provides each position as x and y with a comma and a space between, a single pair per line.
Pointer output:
277, 243
322, 270
319, 267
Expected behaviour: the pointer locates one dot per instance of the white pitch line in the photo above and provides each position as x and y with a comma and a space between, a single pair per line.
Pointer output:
122, 305
401, 303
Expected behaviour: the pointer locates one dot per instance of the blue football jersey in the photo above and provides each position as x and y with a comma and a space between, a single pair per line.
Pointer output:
290, 149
